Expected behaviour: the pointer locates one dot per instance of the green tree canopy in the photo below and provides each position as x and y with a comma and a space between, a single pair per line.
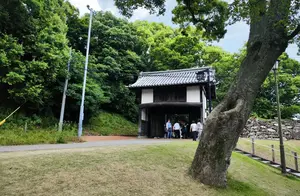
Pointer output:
34, 48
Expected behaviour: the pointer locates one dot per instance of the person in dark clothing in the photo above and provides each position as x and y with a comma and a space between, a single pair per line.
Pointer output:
184, 131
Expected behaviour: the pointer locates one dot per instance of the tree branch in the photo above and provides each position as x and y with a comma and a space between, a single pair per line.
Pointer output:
294, 33
190, 9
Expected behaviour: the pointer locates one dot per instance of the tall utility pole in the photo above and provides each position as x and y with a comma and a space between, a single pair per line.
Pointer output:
81, 115
63, 102
282, 155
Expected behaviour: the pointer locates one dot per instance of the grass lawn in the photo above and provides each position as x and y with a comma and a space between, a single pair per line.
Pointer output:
262, 148
132, 170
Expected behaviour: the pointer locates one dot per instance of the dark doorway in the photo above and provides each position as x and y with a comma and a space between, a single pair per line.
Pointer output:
156, 125
158, 116
177, 118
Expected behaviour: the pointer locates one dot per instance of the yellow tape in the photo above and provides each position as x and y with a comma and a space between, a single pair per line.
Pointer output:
2, 122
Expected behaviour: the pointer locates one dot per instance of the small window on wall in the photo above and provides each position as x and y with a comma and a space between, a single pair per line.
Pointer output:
170, 94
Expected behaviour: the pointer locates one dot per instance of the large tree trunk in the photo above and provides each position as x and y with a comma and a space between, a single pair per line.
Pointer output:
226, 122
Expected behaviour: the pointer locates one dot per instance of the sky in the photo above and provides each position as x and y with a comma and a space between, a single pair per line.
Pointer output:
234, 40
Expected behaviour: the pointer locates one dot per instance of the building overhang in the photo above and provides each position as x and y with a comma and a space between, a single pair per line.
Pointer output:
170, 104
176, 78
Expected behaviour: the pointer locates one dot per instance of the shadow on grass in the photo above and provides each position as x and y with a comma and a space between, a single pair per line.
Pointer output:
288, 176
241, 188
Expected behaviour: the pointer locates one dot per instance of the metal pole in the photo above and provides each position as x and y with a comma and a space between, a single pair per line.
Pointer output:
282, 155
63, 102
209, 91
81, 115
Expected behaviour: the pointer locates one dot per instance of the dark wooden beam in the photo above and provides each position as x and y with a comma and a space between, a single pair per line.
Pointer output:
169, 104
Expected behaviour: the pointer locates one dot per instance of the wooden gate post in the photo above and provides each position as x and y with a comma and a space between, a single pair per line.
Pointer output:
296, 161
273, 153
253, 149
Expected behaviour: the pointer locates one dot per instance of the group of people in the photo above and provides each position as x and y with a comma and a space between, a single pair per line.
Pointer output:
180, 130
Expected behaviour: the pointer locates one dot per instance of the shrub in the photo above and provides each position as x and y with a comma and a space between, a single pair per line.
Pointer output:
288, 111
112, 124
41, 136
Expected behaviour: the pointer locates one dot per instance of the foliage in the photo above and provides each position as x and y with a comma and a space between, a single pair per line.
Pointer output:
112, 124
32, 60
288, 111
289, 89
39, 136
38, 130
116, 53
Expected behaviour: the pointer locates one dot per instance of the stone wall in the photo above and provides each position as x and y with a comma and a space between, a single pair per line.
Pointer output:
267, 129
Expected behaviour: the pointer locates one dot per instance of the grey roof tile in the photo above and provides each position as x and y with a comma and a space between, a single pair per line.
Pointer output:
170, 77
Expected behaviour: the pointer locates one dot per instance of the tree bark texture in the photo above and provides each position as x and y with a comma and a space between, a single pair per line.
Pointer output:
267, 41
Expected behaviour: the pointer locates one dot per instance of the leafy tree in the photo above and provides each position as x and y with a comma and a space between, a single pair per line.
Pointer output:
34, 42
116, 50
95, 95
226, 66
273, 25
265, 103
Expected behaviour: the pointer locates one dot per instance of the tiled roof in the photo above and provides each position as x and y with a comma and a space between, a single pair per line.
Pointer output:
171, 77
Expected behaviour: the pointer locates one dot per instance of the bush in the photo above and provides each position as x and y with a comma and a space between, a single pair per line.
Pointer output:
20, 137
112, 124
40, 130
288, 111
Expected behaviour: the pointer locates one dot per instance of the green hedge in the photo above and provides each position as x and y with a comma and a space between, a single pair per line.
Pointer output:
40, 130
19, 137
112, 124
287, 112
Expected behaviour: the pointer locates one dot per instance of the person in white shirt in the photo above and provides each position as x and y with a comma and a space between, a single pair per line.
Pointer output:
194, 129
200, 129
176, 129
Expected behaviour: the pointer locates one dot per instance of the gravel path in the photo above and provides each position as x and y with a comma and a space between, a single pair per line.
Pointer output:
78, 145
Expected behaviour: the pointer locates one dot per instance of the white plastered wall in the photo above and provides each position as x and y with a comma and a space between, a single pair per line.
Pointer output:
193, 94
204, 105
147, 96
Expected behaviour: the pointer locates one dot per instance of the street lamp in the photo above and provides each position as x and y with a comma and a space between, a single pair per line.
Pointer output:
282, 155
81, 114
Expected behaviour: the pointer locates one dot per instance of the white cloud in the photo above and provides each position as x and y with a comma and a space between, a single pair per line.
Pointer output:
140, 14
81, 5
113, 10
